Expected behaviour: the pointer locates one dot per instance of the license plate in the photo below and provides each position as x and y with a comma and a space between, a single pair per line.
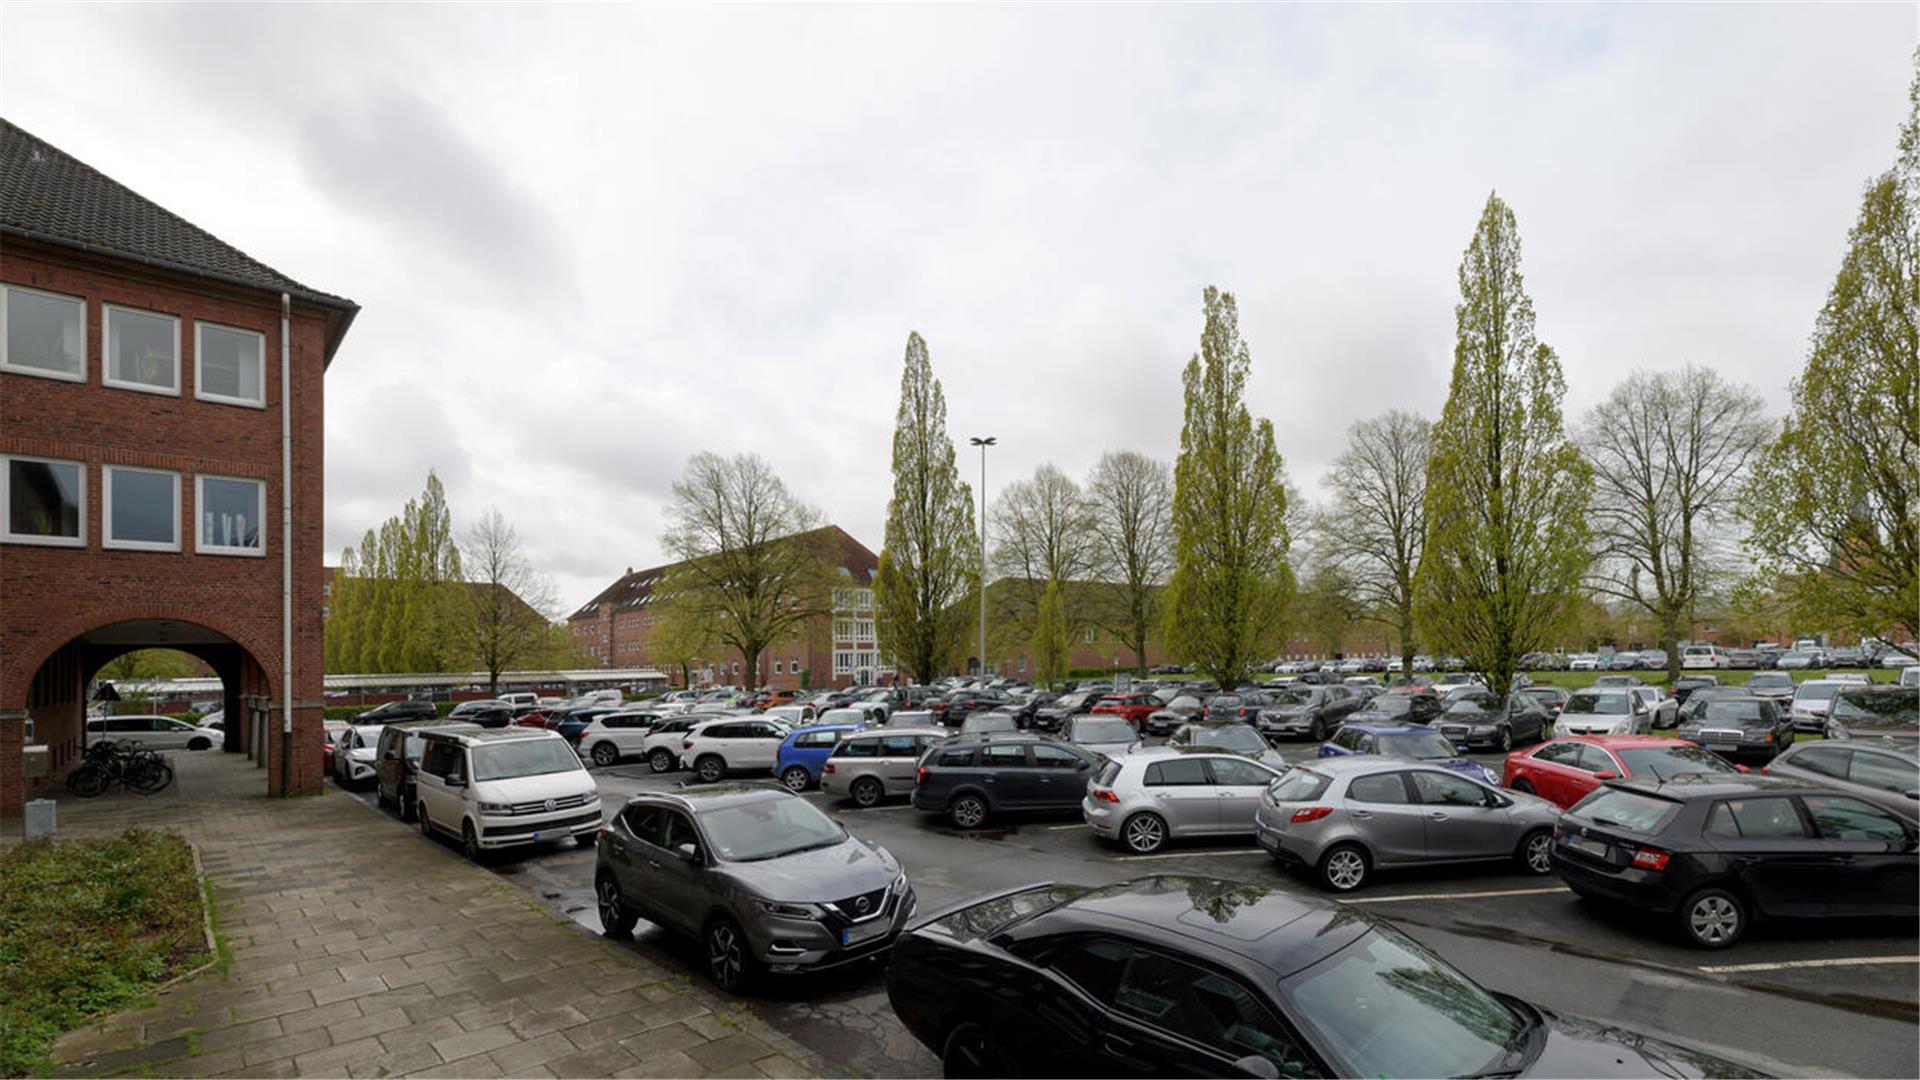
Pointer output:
1722, 746
1596, 848
865, 932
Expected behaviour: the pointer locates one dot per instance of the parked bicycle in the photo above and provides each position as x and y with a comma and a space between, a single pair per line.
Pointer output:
108, 763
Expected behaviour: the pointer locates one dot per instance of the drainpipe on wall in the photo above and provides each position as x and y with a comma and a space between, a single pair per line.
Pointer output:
286, 545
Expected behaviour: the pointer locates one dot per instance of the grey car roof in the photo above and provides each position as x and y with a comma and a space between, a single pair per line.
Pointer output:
892, 732
1361, 764
491, 735
711, 796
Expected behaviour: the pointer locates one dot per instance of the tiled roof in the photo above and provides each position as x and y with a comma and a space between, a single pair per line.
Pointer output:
634, 588
47, 194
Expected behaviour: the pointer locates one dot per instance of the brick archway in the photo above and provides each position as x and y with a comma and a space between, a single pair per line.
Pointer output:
30, 658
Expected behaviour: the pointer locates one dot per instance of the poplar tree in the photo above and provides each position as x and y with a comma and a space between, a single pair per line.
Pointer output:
1050, 645
930, 561
1231, 585
1507, 492
1835, 500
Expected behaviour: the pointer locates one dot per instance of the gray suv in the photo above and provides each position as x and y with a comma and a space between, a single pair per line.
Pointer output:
763, 879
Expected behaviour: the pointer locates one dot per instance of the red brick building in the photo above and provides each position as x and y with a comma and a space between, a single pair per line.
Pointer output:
613, 629
160, 426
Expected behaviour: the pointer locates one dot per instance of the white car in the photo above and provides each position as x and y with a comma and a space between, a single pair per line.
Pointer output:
1703, 658
1812, 699
1608, 710
793, 715
215, 720
1662, 710
353, 754
153, 732
501, 787
661, 747
865, 714
1452, 681
615, 735
1584, 661
518, 701
714, 748
602, 697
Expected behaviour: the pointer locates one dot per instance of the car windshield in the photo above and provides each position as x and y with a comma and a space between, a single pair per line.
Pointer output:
1069, 701
768, 829
1815, 691
1184, 702
1733, 711
1881, 705
1476, 702
1238, 738
1425, 745
1599, 704
988, 722
1626, 810
1388, 1007
1293, 697
1093, 729
1224, 701
533, 757
1661, 762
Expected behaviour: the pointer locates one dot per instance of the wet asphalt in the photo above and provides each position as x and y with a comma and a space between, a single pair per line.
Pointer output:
1809, 999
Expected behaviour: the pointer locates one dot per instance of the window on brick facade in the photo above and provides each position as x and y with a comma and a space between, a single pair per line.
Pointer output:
142, 350
142, 509
229, 365
44, 502
46, 334
231, 515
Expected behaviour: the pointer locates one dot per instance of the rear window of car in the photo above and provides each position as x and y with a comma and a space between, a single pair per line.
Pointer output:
1299, 785
1108, 774
858, 748
1627, 810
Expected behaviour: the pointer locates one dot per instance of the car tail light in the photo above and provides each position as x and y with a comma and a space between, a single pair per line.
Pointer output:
1764, 772
1651, 859
1310, 813
828, 767
1104, 795
920, 775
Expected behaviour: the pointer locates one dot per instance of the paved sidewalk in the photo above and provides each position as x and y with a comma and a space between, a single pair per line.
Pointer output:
360, 949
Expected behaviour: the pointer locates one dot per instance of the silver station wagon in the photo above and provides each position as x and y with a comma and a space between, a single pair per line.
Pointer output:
869, 766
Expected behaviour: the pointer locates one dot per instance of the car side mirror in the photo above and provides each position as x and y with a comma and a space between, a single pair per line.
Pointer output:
688, 852
456, 780
1255, 1065
1915, 795
1606, 774
1742, 768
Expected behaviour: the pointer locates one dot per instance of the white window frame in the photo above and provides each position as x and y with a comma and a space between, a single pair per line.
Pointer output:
201, 544
106, 351
106, 511
200, 391
42, 373
6, 504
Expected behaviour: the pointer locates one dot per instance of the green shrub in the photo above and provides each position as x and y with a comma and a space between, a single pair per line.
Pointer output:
87, 926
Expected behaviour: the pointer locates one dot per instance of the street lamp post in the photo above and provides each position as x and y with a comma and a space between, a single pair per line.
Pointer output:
983, 443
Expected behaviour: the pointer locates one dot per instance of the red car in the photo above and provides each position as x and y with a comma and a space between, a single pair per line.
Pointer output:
1135, 707
1563, 771
329, 732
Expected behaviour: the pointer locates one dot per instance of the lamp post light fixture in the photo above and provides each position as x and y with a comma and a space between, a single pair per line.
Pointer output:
983, 443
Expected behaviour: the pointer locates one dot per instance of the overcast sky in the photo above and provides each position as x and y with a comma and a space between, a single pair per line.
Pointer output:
591, 241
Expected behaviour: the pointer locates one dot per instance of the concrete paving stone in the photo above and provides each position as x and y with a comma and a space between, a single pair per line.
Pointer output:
599, 1061
308, 964
440, 955
134, 1056
729, 1051
515, 1059
440, 1005
371, 1024
666, 1040
286, 1046
92, 1041
237, 1035
398, 998
421, 1034
272, 1005
677, 1010
478, 1041
202, 1064
373, 969
324, 977
334, 1060
606, 1029
319, 1017
347, 991
539, 1023
781, 1067
396, 1062
477, 1067
249, 975
712, 1025
745, 1070
676, 1064
390, 949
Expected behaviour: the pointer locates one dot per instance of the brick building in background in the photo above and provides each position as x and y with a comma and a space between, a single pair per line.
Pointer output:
142, 416
612, 629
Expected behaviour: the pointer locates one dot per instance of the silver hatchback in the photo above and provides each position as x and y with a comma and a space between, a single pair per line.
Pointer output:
868, 766
1148, 797
1345, 817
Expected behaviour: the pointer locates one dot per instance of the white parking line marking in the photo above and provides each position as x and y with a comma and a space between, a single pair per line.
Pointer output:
1194, 854
1786, 965
869, 809
1454, 895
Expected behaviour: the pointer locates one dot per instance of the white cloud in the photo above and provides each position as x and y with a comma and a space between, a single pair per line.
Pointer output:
592, 240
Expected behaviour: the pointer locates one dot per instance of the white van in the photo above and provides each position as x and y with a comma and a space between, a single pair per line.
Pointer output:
502, 787
1703, 657
153, 732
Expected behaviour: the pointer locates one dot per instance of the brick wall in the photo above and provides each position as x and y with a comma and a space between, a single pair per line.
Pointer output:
54, 594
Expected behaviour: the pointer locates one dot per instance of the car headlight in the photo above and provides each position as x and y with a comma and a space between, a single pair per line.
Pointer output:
1492, 778
496, 808
899, 882
789, 911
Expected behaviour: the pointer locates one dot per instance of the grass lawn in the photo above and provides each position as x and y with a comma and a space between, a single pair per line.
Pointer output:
87, 926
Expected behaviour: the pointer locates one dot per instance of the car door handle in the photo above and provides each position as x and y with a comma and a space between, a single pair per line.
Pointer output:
1124, 1051
1437, 816
617, 847
651, 864
1361, 814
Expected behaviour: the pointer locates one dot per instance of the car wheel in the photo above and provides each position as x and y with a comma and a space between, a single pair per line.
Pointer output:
1344, 868
796, 778
1317, 731
1523, 786
711, 769
1506, 738
1536, 851
971, 1051
470, 842
866, 792
1144, 833
968, 811
199, 744
1713, 918
728, 961
606, 754
660, 761
615, 920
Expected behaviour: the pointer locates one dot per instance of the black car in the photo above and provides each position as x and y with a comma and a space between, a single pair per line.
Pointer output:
1483, 720
1188, 976
1054, 714
1713, 853
399, 710
964, 703
1396, 708
1685, 685
971, 778
1697, 701
1309, 712
1182, 708
1023, 713
1740, 727
1551, 698
1242, 705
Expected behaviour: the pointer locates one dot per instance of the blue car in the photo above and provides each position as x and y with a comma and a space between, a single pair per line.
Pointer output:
805, 750
1406, 741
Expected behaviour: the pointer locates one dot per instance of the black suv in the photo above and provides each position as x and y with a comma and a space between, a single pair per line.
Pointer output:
970, 778
399, 710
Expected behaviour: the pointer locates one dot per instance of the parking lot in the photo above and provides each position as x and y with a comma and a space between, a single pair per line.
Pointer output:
1820, 999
